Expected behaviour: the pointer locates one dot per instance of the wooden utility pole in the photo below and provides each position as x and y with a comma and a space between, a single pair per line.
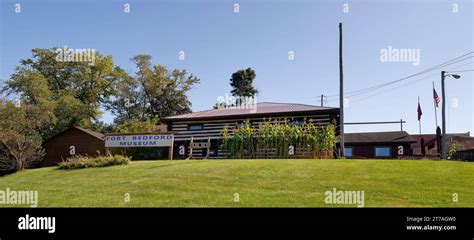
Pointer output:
341, 96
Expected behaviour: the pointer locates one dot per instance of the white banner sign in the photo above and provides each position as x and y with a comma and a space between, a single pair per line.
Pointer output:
147, 140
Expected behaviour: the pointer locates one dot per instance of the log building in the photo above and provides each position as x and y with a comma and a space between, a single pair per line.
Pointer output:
198, 135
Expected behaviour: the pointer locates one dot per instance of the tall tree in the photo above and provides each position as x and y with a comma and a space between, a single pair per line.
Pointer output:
71, 92
242, 83
154, 92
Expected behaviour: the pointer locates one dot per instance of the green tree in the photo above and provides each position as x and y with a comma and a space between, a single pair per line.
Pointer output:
20, 143
61, 94
242, 88
154, 92
68, 93
136, 125
242, 83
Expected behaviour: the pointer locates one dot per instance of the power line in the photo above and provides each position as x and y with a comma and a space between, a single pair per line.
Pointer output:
465, 71
333, 98
367, 91
447, 63
388, 90
376, 88
410, 83
363, 91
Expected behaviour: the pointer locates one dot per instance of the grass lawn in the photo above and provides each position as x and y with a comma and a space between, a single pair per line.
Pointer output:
259, 183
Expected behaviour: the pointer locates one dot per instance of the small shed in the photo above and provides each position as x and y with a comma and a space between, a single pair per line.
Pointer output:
73, 141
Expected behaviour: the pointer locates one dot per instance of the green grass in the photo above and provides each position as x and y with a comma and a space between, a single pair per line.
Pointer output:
259, 183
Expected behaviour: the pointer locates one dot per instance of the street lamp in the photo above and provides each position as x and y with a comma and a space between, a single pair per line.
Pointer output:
455, 76
444, 143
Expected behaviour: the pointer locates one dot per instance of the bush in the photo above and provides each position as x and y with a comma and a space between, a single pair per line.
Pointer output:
78, 162
19, 152
452, 150
20, 143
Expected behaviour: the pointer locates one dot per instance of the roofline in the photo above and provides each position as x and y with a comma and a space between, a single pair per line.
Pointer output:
86, 131
449, 134
78, 128
379, 142
378, 132
252, 115
140, 133
417, 134
301, 104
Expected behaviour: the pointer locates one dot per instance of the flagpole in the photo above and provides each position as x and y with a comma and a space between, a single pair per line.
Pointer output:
434, 102
419, 119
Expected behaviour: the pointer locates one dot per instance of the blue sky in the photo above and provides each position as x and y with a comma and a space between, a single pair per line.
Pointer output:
218, 41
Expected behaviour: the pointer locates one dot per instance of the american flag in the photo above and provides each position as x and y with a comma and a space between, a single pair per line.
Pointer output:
436, 97
419, 111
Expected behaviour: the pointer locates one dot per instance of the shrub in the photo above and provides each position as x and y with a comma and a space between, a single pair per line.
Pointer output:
18, 152
20, 143
452, 150
78, 162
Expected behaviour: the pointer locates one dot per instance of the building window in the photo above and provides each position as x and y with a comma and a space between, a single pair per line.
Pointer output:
243, 124
349, 152
382, 151
195, 127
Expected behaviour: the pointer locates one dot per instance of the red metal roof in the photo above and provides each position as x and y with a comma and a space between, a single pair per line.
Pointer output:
259, 108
